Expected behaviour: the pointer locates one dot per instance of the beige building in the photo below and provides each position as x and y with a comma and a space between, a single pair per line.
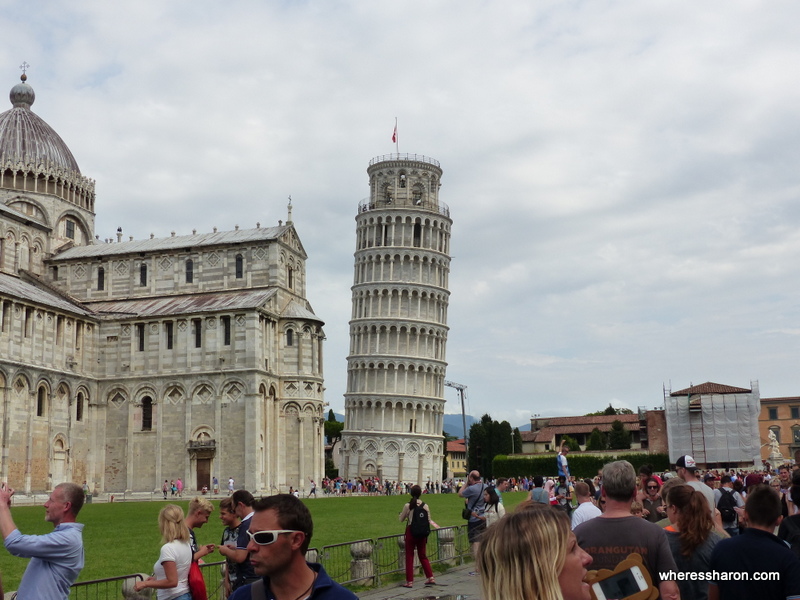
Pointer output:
781, 416
394, 403
130, 362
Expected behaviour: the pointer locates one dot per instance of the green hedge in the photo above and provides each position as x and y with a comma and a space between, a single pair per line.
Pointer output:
580, 465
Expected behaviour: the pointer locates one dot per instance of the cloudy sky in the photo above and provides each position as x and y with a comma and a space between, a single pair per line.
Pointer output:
622, 176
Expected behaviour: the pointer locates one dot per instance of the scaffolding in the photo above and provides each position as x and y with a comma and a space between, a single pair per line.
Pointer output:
714, 428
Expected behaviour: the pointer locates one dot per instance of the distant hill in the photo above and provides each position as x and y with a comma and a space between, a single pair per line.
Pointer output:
453, 425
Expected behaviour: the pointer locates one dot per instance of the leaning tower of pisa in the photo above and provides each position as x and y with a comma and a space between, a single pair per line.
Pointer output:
394, 403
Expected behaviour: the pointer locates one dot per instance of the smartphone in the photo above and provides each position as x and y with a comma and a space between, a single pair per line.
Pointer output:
620, 585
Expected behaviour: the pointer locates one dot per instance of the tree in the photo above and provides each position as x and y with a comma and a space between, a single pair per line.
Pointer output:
619, 438
487, 439
331, 415
610, 410
571, 442
597, 441
516, 447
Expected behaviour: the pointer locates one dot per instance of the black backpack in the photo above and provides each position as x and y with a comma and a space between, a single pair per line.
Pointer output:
726, 504
420, 526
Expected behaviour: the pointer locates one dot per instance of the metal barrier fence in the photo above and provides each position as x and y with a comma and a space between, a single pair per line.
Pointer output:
363, 562
119, 588
366, 562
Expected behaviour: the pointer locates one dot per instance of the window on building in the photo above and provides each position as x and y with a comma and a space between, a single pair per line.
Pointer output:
28, 324
169, 331
417, 235
6, 321
796, 412
190, 271
54, 271
289, 337
147, 413
773, 414
143, 275
101, 278
290, 277
140, 336
41, 402
226, 331
70, 229
79, 407
198, 332
796, 434
78, 335
777, 431
59, 330
239, 266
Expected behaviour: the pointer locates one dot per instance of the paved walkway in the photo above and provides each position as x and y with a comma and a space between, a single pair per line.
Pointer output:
455, 584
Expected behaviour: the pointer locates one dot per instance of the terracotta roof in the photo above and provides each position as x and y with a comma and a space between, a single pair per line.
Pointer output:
563, 421
781, 399
711, 388
456, 446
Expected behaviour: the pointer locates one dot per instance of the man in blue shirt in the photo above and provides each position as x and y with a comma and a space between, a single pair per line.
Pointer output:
280, 532
57, 557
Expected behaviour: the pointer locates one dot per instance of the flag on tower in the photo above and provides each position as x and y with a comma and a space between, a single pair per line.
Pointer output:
394, 134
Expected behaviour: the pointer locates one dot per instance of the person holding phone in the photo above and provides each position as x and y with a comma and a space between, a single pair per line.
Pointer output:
609, 538
532, 555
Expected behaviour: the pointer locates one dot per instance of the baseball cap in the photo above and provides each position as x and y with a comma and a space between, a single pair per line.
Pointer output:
710, 477
686, 462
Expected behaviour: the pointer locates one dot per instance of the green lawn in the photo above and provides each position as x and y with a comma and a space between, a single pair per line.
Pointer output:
123, 537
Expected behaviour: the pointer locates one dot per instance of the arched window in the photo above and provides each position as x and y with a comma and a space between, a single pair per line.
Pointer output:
239, 266
189, 271
101, 278
79, 407
289, 337
147, 413
41, 402
143, 275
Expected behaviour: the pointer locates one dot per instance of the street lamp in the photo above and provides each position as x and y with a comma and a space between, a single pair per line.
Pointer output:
512, 441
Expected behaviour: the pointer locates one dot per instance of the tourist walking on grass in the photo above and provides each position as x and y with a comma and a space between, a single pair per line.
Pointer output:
418, 515
171, 571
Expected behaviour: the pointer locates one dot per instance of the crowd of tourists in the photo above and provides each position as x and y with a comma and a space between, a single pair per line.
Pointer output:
681, 534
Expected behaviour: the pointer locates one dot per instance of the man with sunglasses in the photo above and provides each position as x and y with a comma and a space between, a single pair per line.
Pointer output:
280, 533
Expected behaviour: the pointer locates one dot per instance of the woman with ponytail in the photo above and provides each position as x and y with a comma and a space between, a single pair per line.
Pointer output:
691, 537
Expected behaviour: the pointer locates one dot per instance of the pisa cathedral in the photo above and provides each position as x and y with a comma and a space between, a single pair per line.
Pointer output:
126, 363
394, 403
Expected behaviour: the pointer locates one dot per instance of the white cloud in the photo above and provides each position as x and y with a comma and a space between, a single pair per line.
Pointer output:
622, 177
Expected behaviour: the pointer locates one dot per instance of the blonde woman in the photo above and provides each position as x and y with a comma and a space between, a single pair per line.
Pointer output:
171, 571
532, 555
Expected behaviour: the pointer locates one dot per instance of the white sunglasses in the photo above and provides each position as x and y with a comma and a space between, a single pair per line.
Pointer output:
269, 536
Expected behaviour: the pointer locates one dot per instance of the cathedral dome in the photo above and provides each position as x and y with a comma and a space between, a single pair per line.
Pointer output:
25, 138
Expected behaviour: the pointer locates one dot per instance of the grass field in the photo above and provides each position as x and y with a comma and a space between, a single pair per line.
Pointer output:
123, 537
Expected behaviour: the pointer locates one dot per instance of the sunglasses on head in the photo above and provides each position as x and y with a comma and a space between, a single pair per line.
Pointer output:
265, 538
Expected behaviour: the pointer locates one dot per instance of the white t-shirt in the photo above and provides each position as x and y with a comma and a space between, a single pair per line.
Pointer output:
584, 512
181, 554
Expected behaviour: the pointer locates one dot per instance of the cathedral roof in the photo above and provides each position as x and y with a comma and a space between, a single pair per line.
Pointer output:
38, 294
27, 140
176, 242
294, 310
186, 303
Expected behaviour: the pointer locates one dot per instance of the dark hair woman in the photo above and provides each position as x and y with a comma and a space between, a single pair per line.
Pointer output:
418, 543
691, 537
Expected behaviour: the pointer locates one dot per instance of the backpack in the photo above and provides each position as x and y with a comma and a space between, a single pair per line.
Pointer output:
726, 504
420, 526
